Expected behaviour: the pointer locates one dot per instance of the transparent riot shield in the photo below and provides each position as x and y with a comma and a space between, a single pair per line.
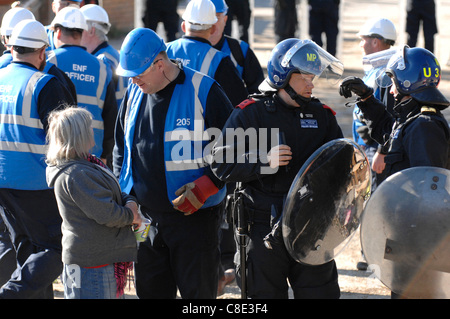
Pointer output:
325, 202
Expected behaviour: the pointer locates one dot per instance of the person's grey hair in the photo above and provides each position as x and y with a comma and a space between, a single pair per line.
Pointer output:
101, 29
69, 135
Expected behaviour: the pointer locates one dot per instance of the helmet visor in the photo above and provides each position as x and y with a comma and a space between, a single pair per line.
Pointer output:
376, 62
308, 57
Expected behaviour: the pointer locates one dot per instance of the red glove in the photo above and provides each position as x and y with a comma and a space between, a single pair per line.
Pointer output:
193, 195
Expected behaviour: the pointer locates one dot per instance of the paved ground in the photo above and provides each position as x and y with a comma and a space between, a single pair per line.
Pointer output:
354, 284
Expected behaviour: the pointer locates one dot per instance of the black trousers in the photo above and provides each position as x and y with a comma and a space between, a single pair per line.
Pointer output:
164, 11
286, 23
181, 252
324, 19
34, 224
239, 10
268, 270
425, 12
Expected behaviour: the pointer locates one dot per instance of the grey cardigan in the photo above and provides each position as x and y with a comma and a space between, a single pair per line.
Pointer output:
96, 225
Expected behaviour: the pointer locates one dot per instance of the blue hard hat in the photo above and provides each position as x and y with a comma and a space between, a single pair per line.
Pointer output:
417, 72
221, 6
138, 51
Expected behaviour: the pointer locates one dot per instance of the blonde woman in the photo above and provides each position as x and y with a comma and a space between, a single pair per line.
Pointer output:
98, 240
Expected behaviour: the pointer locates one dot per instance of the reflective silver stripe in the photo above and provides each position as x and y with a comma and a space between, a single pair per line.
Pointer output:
86, 99
233, 60
198, 120
23, 147
121, 89
207, 60
98, 124
27, 101
184, 165
101, 84
109, 57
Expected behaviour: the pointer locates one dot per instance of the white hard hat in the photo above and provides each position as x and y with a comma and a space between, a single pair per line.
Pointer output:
200, 14
70, 18
379, 26
12, 17
95, 13
29, 34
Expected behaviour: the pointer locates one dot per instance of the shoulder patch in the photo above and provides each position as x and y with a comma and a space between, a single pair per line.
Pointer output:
246, 103
329, 108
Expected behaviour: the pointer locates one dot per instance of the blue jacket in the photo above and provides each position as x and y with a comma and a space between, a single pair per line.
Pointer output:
26, 97
184, 135
148, 145
92, 78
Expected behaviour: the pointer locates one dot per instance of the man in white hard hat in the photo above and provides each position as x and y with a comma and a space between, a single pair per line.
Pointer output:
378, 35
239, 51
195, 51
7, 254
92, 77
58, 5
9, 21
96, 42
28, 205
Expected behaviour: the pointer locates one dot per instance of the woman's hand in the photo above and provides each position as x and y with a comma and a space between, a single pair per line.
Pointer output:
137, 218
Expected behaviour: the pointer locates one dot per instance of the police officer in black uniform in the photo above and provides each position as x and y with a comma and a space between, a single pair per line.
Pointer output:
418, 135
163, 11
266, 168
286, 21
241, 11
418, 11
324, 18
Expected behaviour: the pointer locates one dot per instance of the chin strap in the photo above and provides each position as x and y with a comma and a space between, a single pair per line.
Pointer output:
302, 101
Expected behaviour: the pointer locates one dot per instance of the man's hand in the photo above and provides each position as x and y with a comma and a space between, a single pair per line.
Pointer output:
279, 155
192, 196
354, 85
378, 164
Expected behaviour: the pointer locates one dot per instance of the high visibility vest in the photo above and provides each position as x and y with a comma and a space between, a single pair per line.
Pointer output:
22, 135
244, 46
112, 57
185, 135
91, 77
196, 55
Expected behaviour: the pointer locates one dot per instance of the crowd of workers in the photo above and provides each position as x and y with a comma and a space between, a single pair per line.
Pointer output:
94, 140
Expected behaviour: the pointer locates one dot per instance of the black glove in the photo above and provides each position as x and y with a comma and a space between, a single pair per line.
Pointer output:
356, 85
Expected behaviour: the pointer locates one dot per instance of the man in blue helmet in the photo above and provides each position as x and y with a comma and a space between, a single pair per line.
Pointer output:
164, 127
196, 52
27, 205
417, 134
267, 169
91, 76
